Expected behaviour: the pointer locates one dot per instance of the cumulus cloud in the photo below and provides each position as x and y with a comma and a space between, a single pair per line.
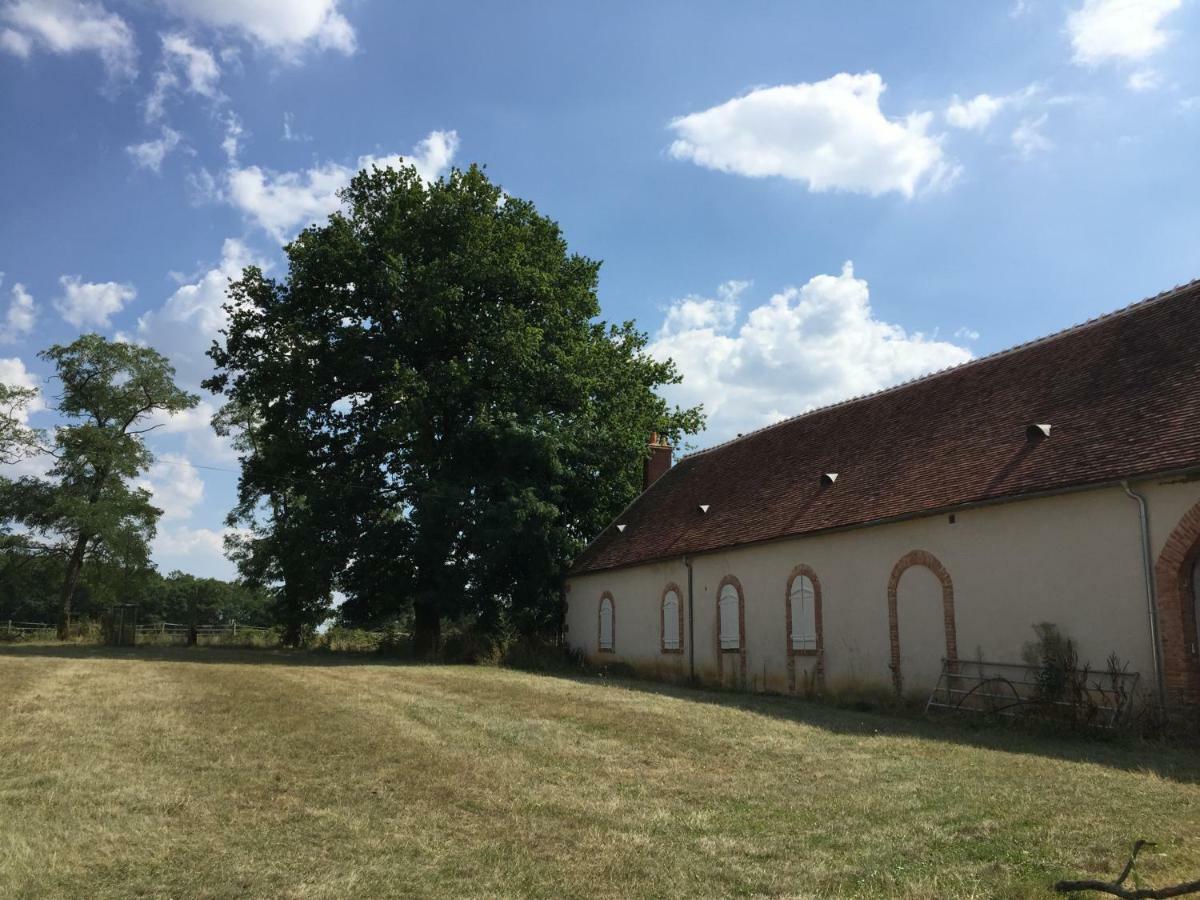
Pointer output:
175, 485
974, 114
1144, 80
1104, 31
150, 154
280, 202
70, 26
803, 348
184, 327
198, 551
21, 315
1028, 139
185, 67
91, 303
286, 26
200, 440
14, 374
830, 135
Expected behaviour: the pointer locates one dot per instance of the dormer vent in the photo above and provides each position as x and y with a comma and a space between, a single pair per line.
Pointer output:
829, 478
703, 509
621, 528
1037, 432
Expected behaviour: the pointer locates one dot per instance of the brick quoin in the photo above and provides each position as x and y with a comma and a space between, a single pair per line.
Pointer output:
612, 604
792, 653
741, 651
933, 564
662, 612
1176, 610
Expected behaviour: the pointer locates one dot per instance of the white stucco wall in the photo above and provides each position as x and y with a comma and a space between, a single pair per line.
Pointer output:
1072, 559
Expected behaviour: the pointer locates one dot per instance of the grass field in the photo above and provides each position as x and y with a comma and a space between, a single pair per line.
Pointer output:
221, 773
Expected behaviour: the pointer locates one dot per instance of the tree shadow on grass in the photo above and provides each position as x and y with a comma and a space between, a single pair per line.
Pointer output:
1178, 761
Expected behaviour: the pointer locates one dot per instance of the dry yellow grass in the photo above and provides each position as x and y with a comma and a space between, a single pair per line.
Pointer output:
218, 773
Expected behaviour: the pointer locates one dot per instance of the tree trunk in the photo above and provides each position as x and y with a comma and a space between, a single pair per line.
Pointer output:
427, 631
70, 582
293, 632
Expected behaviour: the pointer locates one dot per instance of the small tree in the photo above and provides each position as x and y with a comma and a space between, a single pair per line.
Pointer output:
109, 390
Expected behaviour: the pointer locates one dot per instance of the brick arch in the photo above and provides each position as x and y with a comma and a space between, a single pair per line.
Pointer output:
819, 653
934, 565
662, 600
741, 651
1177, 608
612, 604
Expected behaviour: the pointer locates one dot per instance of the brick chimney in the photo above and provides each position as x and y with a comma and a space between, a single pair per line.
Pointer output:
658, 462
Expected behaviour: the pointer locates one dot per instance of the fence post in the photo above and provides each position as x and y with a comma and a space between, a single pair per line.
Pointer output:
235, 627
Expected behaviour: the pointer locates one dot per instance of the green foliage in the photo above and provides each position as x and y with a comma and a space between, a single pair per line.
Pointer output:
88, 511
17, 440
432, 418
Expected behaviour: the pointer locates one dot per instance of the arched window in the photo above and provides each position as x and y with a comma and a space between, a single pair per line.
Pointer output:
803, 599
672, 621
728, 606
606, 622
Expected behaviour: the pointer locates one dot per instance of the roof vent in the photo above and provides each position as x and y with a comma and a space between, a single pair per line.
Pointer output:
621, 528
1038, 432
703, 509
829, 478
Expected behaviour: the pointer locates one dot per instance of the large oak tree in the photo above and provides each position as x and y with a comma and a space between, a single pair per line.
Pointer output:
433, 417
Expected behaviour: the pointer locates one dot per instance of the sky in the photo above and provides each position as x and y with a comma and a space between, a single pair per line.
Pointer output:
798, 202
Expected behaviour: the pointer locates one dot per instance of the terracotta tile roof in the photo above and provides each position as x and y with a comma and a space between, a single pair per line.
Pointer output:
1122, 394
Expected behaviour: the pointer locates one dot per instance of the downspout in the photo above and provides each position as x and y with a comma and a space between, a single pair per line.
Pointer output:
691, 626
1151, 599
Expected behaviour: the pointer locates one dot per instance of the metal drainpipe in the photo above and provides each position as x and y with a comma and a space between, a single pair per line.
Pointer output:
1151, 599
691, 626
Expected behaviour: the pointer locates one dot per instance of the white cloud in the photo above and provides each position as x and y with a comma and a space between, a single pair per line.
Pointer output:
280, 202
198, 551
70, 26
1027, 137
803, 348
184, 327
290, 133
1144, 80
966, 334
185, 66
831, 135
977, 113
1118, 30
175, 484
14, 374
201, 441
16, 43
150, 154
974, 114
21, 315
231, 144
91, 303
286, 26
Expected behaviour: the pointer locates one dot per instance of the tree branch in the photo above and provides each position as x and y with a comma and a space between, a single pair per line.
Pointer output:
1116, 887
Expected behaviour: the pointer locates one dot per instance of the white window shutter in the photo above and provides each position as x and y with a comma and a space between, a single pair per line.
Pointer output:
606, 624
804, 614
727, 604
670, 621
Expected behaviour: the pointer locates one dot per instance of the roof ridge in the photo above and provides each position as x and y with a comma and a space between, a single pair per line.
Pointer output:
938, 373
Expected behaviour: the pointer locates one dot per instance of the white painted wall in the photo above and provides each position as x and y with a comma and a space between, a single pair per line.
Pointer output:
1073, 559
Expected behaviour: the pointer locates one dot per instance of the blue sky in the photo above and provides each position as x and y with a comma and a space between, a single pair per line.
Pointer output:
799, 202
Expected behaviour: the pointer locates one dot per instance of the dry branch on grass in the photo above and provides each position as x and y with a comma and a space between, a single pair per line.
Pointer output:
1117, 887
